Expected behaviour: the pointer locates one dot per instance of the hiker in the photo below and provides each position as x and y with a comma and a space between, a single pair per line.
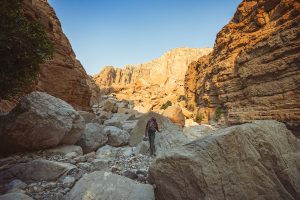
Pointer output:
151, 128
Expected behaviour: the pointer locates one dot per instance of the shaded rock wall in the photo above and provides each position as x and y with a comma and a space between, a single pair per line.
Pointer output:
62, 76
253, 71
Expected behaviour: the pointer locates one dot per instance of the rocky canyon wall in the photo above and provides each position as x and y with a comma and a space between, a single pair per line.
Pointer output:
62, 76
253, 71
167, 70
153, 83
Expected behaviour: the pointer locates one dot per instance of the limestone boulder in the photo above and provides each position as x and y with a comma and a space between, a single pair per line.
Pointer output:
105, 185
87, 116
117, 119
174, 113
104, 115
93, 137
36, 170
40, 121
128, 125
123, 104
258, 160
15, 196
108, 152
65, 149
142, 148
116, 136
170, 135
110, 106
197, 131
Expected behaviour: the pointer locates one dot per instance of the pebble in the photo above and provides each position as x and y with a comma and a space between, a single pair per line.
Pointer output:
68, 182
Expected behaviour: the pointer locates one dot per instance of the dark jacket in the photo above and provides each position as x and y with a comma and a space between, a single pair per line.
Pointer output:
151, 125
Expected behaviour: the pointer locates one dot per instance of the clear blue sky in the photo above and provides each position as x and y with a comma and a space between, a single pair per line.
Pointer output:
119, 32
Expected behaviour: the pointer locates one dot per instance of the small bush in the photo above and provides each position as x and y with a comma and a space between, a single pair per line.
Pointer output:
199, 118
165, 105
218, 113
24, 45
182, 98
191, 107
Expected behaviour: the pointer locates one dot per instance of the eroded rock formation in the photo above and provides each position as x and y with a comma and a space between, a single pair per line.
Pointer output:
253, 71
153, 83
62, 76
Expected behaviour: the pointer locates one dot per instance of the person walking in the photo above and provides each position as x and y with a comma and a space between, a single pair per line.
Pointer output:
150, 130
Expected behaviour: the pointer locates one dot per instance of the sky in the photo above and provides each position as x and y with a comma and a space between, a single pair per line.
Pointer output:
119, 32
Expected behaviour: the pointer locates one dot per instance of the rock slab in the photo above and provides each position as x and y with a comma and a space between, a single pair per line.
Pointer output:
259, 160
105, 185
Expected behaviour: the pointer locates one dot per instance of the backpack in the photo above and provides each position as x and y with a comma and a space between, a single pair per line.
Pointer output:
152, 125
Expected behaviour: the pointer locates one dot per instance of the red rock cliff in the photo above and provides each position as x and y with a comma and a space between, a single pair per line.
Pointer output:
254, 69
63, 76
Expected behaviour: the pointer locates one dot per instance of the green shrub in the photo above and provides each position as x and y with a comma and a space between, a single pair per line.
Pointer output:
165, 105
182, 98
218, 113
199, 118
191, 107
23, 46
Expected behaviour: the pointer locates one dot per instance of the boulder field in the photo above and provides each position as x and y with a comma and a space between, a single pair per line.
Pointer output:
110, 160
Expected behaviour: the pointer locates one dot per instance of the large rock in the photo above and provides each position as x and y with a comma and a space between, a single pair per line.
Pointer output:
15, 196
40, 121
93, 137
87, 116
65, 149
117, 119
170, 134
110, 106
195, 131
174, 113
128, 125
253, 71
105, 185
116, 137
108, 153
259, 160
36, 170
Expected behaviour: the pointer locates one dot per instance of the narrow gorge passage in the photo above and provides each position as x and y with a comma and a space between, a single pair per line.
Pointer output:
227, 117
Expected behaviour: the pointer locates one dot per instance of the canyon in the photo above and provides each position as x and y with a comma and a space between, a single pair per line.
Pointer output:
228, 118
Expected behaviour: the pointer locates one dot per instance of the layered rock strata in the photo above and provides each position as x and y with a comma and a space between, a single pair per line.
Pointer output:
151, 83
167, 70
253, 71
